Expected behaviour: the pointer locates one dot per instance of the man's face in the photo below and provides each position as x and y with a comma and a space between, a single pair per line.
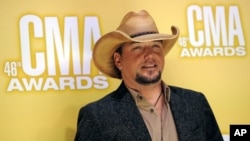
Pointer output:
141, 62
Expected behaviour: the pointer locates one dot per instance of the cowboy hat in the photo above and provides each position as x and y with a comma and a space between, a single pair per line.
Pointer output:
134, 27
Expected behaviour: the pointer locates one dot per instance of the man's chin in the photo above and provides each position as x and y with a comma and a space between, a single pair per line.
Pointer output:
146, 80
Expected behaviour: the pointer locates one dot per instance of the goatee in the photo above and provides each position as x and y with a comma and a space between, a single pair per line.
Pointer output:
146, 80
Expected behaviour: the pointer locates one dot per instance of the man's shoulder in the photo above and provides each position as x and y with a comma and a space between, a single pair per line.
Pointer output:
188, 97
184, 92
103, 100
182, 89
108, 100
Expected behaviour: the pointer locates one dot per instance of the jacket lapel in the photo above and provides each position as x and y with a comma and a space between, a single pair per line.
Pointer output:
178, 107
130, 113
185, 120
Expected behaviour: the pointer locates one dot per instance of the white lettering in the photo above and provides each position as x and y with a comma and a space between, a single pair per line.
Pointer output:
15, 85
32, 83
59, 54
240, 132
100, 82
54, 41
195, 40
50, 83
215, 28
235, 28
241, 51
80, 82
25, 45
62, 48
66, 81
61, 83
91, 30
213, 52
185, 53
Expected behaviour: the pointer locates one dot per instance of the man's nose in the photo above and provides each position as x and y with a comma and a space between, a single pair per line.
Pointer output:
148, 52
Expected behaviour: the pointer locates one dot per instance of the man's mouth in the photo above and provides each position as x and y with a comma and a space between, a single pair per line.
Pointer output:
149, 66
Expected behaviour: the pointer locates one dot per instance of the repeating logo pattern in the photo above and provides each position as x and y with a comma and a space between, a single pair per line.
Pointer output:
51, 56
213, 32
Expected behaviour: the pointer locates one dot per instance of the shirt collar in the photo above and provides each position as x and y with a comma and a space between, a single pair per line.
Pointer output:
138, 98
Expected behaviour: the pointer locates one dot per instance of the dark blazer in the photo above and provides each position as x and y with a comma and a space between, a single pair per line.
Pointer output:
116, 118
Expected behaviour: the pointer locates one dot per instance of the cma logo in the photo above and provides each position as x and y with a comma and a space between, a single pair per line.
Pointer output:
213, 31
55, 55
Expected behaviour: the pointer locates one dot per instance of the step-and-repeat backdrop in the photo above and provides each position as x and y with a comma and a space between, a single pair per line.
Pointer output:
47, 72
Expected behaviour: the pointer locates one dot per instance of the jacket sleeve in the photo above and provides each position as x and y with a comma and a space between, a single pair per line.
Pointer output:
87, 125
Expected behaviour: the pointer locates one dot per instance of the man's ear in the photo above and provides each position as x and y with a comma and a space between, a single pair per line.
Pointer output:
117, 60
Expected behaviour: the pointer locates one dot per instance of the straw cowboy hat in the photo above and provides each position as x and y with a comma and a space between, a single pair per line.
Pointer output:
136, 27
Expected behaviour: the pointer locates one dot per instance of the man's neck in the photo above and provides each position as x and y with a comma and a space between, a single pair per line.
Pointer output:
150, 91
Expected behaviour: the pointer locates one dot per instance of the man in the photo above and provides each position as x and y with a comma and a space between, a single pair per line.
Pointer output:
143, 108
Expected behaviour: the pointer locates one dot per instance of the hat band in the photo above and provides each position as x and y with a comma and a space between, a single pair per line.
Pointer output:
142, 33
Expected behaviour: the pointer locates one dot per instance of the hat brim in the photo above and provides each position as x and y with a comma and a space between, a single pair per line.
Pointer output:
110, 42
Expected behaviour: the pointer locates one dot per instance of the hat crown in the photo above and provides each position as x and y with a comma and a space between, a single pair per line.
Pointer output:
137, 23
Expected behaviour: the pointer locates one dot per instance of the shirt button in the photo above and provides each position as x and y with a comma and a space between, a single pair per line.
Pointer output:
140, 97
151, 110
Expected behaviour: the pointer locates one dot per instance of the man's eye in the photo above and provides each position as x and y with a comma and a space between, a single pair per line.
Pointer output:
156, 46
137, 48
